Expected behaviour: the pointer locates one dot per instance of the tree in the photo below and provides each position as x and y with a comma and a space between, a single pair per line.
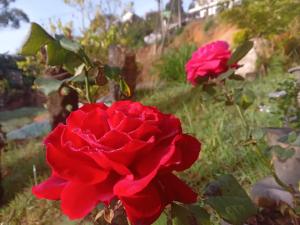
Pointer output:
263, 18
11, 16
176, 9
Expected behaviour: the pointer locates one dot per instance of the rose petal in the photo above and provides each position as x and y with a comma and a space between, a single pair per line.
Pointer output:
176, 190
95, 123
78, 200
74, 166
102, 160
144, 207
90, 107
187, 152
114, 139
146, 169
50, 188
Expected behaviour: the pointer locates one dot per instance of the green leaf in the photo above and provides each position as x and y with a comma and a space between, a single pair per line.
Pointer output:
80, 70
258, 133
200, 214
230, 200
56, 55
180, 215
48, 85
125, 89
209, 89
245, 98
162, 220
297, 142
291, 138
283, 154
112, 73
236, 77
76, 48
37, 38
225, 75
70, 45
240, 52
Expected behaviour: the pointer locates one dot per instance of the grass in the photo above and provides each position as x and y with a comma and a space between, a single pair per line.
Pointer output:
217, 126
171, 65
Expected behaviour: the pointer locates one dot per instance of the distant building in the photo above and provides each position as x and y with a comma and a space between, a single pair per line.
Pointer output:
204, 8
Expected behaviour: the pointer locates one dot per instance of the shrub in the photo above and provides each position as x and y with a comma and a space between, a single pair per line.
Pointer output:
171, 65
240, 37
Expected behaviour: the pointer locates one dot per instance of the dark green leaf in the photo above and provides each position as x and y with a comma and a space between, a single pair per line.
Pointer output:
37, 38
283, 154
225, 75
240, 52
236, 77
162, 220
48, 85
209, 89
289, 139
200, 214
112, 73
180, 215
230, 200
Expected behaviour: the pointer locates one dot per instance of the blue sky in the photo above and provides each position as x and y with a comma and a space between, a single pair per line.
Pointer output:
41, 11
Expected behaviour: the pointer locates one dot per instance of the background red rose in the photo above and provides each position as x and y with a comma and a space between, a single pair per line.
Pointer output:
208, 61
127, 151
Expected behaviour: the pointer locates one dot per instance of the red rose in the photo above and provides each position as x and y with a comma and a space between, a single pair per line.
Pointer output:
208, 61
127, 151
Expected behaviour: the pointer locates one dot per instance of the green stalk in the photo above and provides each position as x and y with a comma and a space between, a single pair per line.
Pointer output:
87, 88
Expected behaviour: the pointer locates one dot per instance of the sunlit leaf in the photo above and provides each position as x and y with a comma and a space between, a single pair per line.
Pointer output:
70, 45
125, 89
36, 39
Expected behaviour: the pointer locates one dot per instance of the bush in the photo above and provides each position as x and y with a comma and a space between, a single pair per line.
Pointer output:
240, 37
209, 24
171, 65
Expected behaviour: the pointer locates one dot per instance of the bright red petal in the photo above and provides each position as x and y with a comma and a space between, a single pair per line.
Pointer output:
78, 200
50, 189
74, 166
187, 152
144, 207
176, 190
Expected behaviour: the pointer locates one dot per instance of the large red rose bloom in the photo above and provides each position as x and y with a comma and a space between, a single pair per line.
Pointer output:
127, 151
209, 61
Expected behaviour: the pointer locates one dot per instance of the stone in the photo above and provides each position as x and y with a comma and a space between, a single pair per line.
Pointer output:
289, 170
267, 193
33, 130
